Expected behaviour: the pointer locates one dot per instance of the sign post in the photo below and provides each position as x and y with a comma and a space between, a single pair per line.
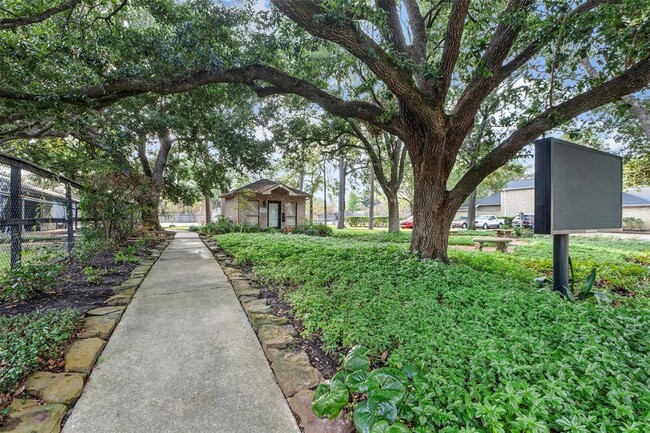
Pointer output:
577, 189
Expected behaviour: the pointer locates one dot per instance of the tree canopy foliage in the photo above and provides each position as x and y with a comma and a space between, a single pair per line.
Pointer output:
420, 71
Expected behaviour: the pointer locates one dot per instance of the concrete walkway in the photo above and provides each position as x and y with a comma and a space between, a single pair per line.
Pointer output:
183, 359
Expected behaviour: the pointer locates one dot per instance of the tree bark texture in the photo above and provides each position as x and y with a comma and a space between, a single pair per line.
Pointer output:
343, 167
471, 211
371, 208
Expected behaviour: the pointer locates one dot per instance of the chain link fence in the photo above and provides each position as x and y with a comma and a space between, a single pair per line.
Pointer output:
38, 211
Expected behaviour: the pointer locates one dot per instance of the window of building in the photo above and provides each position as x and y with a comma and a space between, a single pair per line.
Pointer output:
290, 213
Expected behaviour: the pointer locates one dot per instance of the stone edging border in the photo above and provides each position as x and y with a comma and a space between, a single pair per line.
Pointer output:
60, 391
293, 371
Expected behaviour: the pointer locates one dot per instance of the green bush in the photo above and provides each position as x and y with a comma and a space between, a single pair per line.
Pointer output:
34, 275
26, 340
322, 230
358, 221
496, 353
633, 223
522, 232
193, 228
226, 225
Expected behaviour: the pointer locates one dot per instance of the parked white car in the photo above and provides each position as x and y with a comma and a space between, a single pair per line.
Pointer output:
489, 222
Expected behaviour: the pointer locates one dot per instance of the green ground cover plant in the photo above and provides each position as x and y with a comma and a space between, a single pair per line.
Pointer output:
37, 273
622, 266
26, 340
495, 353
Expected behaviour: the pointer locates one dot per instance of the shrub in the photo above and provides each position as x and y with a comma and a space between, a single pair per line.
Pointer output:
322, 230
633, 223
193, 228
226, 225
362, 221
26, 340
34, 275
522, 232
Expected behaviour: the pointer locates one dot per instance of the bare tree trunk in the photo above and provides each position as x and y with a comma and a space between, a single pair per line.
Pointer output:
393, 212
301, 179
340, 223
150, 202
324, 193
311, 209
208, 209
471, 211
371, 210
434, 210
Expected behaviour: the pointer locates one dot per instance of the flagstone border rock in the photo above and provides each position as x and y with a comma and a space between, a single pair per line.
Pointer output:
53, 394
293, 371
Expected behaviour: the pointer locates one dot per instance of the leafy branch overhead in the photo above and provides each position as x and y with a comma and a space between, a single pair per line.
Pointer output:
417, 70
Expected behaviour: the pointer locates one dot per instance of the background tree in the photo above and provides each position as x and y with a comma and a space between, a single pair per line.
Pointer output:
479, 46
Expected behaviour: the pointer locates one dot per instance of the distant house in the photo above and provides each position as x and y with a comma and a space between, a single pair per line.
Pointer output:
265, 203
490, 205
519, 196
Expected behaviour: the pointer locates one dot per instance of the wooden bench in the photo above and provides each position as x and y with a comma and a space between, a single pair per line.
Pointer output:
501, 243
501, 233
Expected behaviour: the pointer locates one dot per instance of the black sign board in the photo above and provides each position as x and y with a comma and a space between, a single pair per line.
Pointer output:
577, 189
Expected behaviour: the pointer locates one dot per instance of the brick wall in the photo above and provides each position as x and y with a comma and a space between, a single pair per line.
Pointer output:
642, 212
231, 210
514, 201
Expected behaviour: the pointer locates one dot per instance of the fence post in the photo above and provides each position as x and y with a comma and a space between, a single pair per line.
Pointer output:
15, 215
70, 220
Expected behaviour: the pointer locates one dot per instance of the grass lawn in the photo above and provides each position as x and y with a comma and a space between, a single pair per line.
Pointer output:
496, 353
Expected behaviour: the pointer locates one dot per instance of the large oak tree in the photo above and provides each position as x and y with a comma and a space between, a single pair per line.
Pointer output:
439, 61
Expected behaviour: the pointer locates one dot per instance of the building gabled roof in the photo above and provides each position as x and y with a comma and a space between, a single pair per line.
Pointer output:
520, 184
490, 200
265, 186
637, 197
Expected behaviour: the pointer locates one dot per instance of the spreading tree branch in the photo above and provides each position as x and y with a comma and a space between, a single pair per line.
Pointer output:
19, 21
632, 80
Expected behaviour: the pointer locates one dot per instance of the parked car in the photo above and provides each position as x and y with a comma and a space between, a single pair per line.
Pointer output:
407, 223
489, 222
528, 222
459, 222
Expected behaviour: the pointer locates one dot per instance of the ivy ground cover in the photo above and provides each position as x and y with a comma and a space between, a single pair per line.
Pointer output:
497, 354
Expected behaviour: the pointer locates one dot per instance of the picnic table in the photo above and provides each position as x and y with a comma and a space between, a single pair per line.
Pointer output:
501, 233
501, 243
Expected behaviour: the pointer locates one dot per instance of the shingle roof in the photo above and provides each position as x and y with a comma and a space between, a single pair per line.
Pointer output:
262, 185
640, 197
490, 200
520, 184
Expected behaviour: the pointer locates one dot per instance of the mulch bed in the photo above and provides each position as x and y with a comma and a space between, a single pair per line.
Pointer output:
73, 291
318, 358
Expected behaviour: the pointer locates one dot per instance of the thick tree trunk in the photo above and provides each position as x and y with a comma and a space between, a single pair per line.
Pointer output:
433, 209
150, 205
371, 209
471, 211
340, 223
311, 210
393, 212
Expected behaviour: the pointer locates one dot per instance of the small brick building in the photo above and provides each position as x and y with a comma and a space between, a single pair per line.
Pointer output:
265, 203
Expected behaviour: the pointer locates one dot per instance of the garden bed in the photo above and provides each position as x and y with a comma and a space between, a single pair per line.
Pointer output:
495, 352
75, 289
35, 331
